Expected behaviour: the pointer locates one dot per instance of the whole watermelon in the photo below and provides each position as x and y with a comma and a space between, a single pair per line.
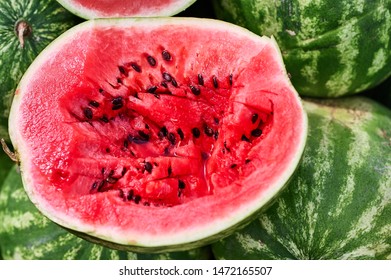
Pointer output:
26, 27
338, 205
26, 234
331, 48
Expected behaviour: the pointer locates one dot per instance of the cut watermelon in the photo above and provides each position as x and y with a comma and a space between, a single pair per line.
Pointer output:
135, 139
131, 8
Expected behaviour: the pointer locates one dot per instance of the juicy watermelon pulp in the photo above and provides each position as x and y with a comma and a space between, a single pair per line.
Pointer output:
130, 8
160, 139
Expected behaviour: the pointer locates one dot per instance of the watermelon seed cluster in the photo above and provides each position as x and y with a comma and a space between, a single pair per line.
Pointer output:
112, 103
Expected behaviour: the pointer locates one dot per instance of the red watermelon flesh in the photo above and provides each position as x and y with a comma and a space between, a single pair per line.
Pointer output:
126, 8
156, 132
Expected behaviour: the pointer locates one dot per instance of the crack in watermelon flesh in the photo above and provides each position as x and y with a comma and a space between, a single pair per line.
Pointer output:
119, 118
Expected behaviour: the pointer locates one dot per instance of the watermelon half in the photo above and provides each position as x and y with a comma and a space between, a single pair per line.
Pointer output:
146, 134
90, 9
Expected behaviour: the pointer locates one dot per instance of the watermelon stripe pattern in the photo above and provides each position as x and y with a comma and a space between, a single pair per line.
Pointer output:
26, 234
331, 48
47, 20
339, 202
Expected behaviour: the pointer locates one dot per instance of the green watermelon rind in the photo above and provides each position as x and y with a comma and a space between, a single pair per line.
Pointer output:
166, 244
28, 235
48, 20
331, 49
338, 204
90, 14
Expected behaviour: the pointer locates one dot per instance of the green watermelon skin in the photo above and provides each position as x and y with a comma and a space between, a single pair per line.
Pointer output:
26, 234
330, 48
47, 20
338, 205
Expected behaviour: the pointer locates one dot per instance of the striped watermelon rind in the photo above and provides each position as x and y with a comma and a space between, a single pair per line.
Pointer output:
47, 20
330, 48
26, 234
338, 205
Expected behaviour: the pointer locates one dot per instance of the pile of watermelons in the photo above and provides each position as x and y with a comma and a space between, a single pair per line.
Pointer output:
337, 204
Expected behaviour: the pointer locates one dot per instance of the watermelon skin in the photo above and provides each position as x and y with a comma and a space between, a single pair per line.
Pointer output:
338, 204
26, 234
47, 20
173, 234
330, 48
90, 9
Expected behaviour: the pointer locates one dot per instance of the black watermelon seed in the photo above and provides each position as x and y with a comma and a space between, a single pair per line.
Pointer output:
94, 103
256, 132
230, 79
244, 138
208, 131
107, 150
151, 89
119, 80
254, 118
137, 199
151, 60
181, 184
94, 185
164, 84
166, 55
148, 167
174, 82
200, 80
216, 135
167, 76
104, 119
117, 102
171, 137
215, 82
196, 132
130, 195
88, 113
123, 172
247, 161
216, 120
136, 67
156, 95
169, 171
116, 107
180, 133
146, 126
123, 70
143, 135
138, 140
101, 90
111, 180
103, 170
126, 143
195, 90
233, 165
163, 132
